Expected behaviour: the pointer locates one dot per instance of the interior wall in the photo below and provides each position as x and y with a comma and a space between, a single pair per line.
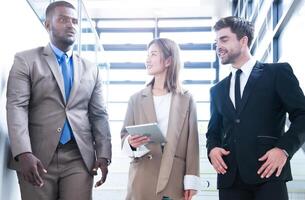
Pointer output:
291, 43
20, 30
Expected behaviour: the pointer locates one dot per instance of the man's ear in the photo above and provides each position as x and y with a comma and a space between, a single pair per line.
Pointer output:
47, 24
244, 41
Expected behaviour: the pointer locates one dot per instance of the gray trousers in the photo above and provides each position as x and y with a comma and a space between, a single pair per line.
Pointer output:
67, 178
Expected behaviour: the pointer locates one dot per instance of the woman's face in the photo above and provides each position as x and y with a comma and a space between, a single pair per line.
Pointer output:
155, 63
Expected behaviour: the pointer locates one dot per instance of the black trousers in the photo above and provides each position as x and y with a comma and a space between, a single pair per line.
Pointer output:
270, 190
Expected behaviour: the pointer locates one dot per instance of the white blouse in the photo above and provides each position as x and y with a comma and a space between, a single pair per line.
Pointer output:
162, 106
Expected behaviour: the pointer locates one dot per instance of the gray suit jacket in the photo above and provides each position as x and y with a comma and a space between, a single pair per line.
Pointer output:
162, 174
36, 107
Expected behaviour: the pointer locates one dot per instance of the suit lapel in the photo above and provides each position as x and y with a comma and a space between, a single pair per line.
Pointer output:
226, 92
178, 113
54, 66
148, 105
77, 71
254, 76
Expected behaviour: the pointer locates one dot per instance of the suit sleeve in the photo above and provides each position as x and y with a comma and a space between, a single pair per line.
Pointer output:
293, 100
17, 106
215, 125
192, 155
98, 117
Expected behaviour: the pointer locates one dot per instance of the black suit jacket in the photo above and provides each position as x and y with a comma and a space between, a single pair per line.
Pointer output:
272, 91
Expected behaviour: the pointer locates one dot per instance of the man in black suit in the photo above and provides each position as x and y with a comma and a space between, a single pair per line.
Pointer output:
246, 141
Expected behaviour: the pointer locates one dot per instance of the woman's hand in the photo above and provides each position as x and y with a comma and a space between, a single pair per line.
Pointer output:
188, 194
137, 140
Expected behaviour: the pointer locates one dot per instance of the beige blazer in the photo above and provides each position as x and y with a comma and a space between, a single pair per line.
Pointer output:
155, 174
37, 110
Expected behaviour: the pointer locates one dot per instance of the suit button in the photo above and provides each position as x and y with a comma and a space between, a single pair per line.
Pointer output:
58, 130
237, 121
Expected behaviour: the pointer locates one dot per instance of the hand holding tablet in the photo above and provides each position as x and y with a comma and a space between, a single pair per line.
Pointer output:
151, 130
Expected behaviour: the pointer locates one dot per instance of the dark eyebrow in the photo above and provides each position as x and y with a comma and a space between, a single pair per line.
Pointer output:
61, 15
224, 37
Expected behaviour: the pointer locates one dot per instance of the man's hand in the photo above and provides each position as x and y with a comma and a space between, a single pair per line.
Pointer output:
31, 169
188, 194
217, 161
101, 163
137, 140
275, 160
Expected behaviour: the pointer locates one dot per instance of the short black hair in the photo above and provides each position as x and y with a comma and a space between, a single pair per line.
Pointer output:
51, 7
239, 26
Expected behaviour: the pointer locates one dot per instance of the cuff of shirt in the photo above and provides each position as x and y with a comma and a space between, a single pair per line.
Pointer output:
140, 151
192, 182
285, 152
126, 148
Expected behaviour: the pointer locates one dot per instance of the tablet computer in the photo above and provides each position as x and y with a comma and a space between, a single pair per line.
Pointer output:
151, 130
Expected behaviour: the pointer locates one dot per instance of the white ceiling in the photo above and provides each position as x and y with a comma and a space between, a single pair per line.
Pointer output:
157, 8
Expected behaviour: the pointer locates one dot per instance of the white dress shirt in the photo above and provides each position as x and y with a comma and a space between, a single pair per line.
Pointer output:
244, 76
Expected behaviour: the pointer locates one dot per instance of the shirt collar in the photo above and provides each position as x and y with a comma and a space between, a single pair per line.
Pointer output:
246, 68
59, 53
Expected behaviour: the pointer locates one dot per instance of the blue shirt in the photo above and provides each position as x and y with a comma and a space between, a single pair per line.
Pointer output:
59, 53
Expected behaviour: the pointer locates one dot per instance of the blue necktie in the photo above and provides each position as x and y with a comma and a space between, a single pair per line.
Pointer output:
237, 89
67, 76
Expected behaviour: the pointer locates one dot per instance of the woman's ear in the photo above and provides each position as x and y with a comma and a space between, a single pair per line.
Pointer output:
168, 61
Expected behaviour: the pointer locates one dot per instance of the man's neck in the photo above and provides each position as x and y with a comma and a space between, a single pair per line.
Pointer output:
63, 47
241, 61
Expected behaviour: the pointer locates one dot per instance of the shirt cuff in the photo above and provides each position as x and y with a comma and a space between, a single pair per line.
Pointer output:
192, 182
140, 151
126, 148
285, 152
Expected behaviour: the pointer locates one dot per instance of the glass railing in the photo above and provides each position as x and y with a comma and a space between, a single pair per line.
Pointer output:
88, 44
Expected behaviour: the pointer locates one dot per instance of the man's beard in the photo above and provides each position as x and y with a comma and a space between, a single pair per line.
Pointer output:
68, 41
230, 58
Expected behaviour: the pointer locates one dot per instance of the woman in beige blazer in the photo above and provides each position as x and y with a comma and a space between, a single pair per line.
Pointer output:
169, 171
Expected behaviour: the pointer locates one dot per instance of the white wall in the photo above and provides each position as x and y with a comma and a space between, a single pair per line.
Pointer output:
20, 30
292, 43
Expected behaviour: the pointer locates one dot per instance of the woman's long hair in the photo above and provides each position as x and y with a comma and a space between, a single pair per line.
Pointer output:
169, 49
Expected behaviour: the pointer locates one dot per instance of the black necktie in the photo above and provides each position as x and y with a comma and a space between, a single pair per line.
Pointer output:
237, 89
